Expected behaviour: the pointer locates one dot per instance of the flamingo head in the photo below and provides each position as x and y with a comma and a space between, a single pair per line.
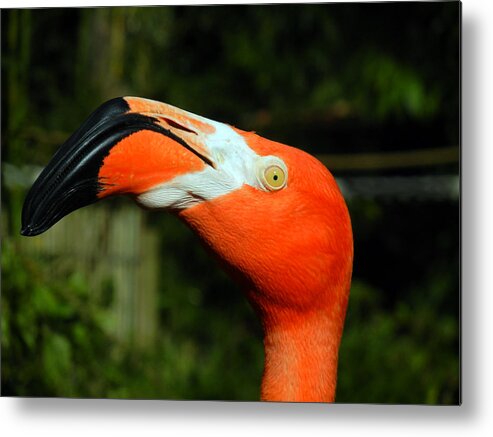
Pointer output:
273, 214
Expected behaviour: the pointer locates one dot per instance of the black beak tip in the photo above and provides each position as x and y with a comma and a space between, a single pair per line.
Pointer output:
71, 181
30, 231
26, 232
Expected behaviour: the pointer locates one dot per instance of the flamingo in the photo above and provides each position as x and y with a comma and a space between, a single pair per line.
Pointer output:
272, 214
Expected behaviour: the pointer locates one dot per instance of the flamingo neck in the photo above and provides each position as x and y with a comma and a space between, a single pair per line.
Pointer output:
301, 354
302, 322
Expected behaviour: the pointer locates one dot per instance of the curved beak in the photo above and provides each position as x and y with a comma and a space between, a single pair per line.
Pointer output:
126, 146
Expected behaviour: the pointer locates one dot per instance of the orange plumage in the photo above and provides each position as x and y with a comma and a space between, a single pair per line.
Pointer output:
292, 251
271, 213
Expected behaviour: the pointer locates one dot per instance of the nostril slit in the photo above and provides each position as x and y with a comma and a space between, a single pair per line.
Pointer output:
176, 125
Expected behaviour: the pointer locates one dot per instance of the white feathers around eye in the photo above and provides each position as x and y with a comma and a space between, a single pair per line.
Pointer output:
189, 189
236, 165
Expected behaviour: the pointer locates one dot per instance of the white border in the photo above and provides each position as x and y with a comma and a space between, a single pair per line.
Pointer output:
59, 417
86, 3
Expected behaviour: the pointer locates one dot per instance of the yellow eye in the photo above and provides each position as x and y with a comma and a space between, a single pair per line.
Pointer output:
271, 172
274, 177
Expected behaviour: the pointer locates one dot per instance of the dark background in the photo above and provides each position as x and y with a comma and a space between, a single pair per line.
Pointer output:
372, 89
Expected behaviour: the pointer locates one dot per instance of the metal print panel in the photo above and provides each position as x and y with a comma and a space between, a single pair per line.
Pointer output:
255, 202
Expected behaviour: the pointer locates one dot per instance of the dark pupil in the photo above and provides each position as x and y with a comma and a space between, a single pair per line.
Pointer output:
275, 177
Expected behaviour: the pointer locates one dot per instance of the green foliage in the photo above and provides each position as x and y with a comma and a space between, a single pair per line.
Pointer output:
55, 341
384, 86
408, 354
48, 329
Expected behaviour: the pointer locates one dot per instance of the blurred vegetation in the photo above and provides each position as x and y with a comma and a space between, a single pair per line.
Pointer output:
328, 78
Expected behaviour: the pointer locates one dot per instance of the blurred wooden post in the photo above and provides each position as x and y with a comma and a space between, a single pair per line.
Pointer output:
147, 288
